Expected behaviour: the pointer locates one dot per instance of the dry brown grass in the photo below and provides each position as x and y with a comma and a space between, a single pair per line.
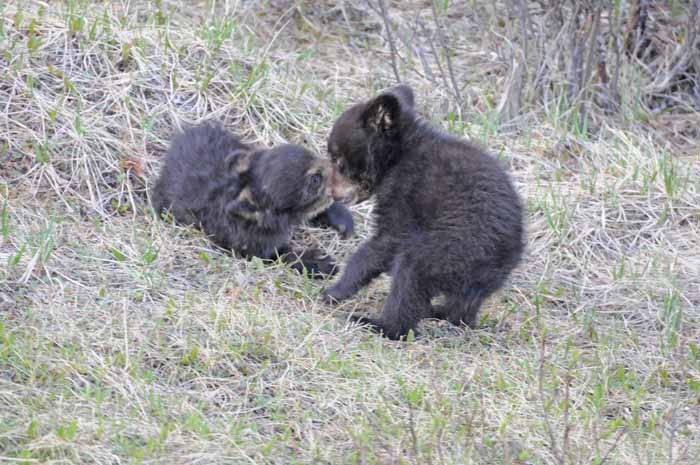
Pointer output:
127, 340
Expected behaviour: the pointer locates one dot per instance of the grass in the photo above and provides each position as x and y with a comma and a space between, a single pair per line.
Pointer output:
124, 339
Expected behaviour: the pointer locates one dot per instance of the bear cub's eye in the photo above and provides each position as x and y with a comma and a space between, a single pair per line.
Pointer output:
316, 180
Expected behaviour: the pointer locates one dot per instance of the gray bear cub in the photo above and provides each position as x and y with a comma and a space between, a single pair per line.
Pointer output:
248, 199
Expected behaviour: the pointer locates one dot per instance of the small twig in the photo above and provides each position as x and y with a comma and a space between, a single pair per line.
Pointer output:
443, 44
509, 106
524, 22
547, 53
438, 443
684, 54
636, 28
576, 49
408, 38
412, 429
547, 421
592, 48
567, 425
613, 88
614, 446
511, 102
673, 425
424, 63
390, 38
437, 57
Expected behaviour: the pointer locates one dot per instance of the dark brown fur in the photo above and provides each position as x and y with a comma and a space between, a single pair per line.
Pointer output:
247, 199
449, 221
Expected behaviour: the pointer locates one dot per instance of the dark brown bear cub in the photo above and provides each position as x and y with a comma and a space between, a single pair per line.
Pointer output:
449, 222
247, 199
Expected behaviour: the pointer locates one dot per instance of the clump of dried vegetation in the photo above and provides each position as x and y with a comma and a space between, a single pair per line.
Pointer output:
124, 339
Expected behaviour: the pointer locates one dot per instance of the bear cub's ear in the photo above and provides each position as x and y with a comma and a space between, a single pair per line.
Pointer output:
383, 113
238, 161
404, 94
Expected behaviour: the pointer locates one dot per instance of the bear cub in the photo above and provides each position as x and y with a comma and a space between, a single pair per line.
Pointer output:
248, 199
448, 220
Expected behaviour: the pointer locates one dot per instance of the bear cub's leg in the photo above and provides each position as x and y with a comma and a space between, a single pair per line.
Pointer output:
460, 308
408, 302
338, 217
371, 259
317, 265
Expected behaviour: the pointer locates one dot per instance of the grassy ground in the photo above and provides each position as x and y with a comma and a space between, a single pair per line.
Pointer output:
127, 340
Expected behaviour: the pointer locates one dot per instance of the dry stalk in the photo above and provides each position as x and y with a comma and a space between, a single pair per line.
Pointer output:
549, 427
390, 39
446, 51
